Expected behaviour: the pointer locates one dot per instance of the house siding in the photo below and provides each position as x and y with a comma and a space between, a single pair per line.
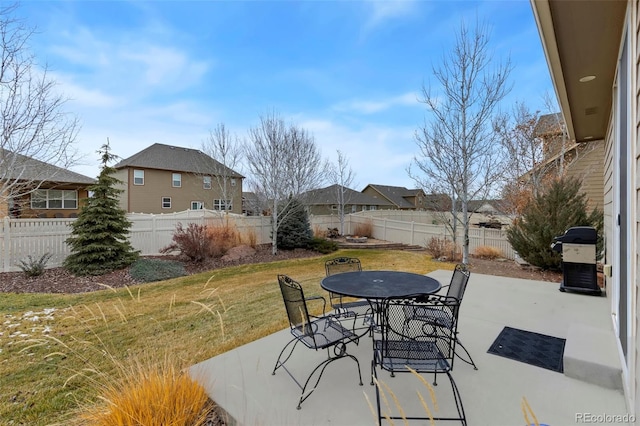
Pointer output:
147, 198
589, 168
123, 198
635, 36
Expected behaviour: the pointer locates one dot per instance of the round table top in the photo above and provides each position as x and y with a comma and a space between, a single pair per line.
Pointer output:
379, 284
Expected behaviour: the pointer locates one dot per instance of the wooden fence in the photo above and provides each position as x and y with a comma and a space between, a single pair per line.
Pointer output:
21, 238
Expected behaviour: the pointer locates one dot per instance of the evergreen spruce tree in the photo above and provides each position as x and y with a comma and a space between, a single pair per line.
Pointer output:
549, 214
98, 239
295, 229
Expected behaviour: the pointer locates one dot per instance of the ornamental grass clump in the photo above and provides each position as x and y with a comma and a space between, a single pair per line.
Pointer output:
488, 252
147, 393
34, 267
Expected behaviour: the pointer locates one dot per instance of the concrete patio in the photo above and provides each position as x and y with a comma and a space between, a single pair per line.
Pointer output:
240, 381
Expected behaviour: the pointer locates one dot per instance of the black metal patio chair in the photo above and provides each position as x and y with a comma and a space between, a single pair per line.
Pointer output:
455, 289
353, 308
407, 344
316, 333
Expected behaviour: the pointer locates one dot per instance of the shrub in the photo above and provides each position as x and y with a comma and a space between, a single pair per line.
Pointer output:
144, 393
250, 238
294, 230
34, 267
322, 245
332, 233
149, 270
556, 208
221, 238
319, 232
488, 252
364, 229
441, 248
191, 241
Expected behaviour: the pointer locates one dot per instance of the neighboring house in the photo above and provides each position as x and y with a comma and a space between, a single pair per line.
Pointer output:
487, 207
165, 178
40, 189
592, 52
251, 205
400, 197
582, 160
324, 201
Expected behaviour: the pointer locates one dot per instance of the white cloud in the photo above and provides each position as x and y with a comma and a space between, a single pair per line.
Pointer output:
371, 107
377, 153
385, 10
81, 96
130, 63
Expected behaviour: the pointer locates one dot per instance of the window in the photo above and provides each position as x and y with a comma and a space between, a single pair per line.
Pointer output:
138, 177
176, 180
197, 205
206, 182
353, 208
166, 202
372, 207
54, 199
222, 205
334, 207
233, 181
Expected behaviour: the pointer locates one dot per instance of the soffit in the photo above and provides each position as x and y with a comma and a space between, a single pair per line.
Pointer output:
582, 38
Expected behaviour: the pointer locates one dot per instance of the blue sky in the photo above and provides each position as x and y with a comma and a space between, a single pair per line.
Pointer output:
350, 72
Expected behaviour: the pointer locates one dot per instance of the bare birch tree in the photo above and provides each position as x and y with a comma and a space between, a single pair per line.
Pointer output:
227, 151
35, 129
459, 153
284, 162
341, 175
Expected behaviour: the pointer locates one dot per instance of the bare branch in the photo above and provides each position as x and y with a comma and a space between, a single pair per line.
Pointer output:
284, 163
341, 175
459, 153
35, 131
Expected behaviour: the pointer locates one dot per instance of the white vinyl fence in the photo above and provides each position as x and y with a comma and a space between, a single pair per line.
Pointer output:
21, 238
420, 233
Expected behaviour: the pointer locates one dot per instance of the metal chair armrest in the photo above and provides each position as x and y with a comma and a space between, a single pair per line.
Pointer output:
324, 302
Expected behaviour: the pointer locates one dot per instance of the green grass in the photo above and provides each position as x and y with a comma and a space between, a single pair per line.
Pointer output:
49, 367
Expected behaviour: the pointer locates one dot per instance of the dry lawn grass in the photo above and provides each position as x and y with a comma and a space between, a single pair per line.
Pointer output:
43, 380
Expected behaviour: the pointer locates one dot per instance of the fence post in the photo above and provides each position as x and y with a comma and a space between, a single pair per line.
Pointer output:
154, 232
413, 226
384, 229
7, 244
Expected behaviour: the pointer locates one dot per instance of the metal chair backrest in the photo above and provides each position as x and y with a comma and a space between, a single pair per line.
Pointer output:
342, 264
459, 281
295, 305
425, 347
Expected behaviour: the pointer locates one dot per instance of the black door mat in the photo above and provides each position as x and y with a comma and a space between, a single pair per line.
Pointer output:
529, 347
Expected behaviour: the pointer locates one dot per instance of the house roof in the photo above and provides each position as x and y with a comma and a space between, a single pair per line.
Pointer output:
549, 125
476, 205
177, 159
395, 194
17, 166
327, 196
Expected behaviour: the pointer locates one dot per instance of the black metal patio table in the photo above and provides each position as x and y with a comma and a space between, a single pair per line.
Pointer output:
378, 285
